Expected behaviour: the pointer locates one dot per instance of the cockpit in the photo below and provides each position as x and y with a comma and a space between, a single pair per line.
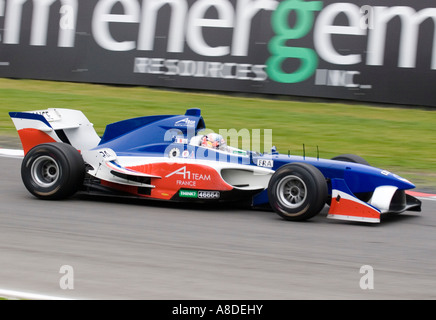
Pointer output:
215, 141
211, 141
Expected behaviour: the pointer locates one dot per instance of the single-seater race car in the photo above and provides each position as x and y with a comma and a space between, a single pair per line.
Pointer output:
169, 157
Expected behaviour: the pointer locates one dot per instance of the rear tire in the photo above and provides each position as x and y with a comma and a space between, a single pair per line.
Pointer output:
53, 171
297, 191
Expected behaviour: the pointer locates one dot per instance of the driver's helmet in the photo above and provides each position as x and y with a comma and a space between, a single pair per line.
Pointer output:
213, 141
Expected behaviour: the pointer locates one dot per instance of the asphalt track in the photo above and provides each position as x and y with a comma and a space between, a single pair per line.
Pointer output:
148, 250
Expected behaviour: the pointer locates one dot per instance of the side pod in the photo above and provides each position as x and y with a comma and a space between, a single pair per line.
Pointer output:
345, 206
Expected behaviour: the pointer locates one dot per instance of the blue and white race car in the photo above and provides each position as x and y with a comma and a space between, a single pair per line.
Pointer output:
170, 158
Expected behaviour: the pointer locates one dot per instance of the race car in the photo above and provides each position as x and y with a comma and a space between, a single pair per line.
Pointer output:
170, 157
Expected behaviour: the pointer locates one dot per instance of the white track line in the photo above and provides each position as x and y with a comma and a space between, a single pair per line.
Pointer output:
11, 294
427, 198
11, 153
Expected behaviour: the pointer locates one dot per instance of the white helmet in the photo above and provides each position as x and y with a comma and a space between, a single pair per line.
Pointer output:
213, 141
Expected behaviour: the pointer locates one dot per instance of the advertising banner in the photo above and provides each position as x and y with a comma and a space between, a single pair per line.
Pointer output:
370, 50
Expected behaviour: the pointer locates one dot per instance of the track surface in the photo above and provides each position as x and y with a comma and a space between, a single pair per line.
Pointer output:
122, 250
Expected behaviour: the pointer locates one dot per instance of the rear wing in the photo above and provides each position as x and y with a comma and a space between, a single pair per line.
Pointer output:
55, 125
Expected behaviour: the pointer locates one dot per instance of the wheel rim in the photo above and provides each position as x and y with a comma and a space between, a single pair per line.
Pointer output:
45, 171
292, 191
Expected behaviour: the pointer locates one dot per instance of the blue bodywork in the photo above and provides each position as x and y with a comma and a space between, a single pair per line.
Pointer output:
154, 136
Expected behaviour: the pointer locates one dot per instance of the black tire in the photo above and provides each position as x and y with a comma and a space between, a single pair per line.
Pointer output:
53, 171
297, 191
351, 158
364, 196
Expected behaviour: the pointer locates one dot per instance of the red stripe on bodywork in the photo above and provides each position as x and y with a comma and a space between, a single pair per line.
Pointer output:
176, 176
345, 207
32, 137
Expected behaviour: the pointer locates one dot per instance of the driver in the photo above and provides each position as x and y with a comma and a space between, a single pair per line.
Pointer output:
213, 141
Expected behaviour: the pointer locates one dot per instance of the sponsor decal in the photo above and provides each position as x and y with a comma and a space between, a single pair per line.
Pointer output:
181, 140
200, 69
48, 115
189, 175
240, 152
107, 154
265, 163
194, 194
188, 194
188, 178
209, 194
329, 48
185, 123
185, 154
174, 153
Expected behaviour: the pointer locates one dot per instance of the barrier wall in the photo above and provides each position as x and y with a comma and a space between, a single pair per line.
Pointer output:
372, 50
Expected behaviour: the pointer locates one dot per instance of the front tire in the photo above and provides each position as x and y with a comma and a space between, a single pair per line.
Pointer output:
364, 196
351, 158
297, 191
53, 171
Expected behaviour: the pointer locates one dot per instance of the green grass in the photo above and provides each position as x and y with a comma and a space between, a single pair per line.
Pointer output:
398, 139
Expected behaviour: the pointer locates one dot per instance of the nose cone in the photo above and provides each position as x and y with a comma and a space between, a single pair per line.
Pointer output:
366, 178
404, 183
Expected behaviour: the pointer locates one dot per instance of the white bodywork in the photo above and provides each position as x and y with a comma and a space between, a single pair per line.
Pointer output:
77, 128
105, 160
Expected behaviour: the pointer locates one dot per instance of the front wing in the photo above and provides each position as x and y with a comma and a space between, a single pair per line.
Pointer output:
385, 199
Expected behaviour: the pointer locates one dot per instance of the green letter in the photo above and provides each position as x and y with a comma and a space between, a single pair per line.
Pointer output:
277, 46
